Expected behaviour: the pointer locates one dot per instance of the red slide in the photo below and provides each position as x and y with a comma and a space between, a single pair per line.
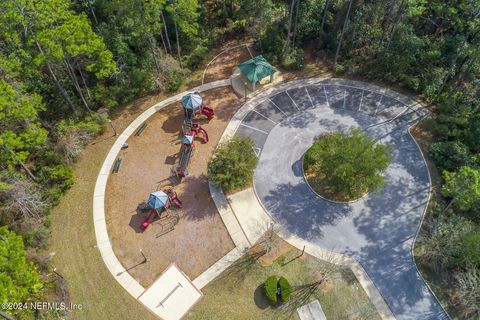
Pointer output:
208, 112
204, 134
149, 219
177, 201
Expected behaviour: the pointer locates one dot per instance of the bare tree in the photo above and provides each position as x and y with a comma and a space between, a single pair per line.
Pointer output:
22, 199
70, 141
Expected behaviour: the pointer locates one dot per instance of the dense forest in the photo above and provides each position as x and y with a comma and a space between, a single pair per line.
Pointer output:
65, 64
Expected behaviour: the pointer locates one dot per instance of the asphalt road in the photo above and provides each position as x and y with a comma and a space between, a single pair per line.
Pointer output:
379, 229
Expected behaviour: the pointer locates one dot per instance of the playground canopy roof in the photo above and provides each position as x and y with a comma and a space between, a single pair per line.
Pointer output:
256, 69
157, 200
191, 101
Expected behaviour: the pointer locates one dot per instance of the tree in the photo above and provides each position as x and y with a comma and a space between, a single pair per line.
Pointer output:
19, 280
346, 166
232, 164
339, 44
48, 34
20, 129
463, 186
185, 14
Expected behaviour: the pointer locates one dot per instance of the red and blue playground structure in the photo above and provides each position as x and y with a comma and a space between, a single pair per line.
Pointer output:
193, 106
161, 201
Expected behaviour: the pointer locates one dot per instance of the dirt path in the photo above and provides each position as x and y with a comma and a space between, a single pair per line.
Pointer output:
222, 66
200, 238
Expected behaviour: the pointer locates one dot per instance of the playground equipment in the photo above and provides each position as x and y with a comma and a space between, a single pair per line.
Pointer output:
193, 105
186, 153
158, 202
193, 129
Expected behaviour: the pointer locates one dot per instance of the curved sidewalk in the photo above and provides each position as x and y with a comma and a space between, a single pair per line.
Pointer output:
103, 242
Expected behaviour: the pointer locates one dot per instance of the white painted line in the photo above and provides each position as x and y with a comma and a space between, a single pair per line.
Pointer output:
378, 103
309, 98
361, 101
325, 91
286, 91
253, 128
264, 116
276, 106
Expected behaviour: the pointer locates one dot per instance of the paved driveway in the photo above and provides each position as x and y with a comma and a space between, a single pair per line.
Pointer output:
379, 229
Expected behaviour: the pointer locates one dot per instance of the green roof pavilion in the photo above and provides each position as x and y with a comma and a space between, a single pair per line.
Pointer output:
256, 69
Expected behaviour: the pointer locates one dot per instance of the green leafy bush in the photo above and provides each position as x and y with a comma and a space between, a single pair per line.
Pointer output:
294, 60
197, 56
232, 164
449, 155
470, 250
270, 289
271, 42
346, 166
443, 245
19, 280
463, 186
285, 289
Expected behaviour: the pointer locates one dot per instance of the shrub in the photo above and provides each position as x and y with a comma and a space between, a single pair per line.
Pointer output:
173, 74
443, 245
346, 166
19, 280
463, 186
270, 289
449, 155
197, 56
466, 294
294, 60
272, 42
470, 250
285, 289
232, 164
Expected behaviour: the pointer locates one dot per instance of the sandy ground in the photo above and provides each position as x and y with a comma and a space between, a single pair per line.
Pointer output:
200, 238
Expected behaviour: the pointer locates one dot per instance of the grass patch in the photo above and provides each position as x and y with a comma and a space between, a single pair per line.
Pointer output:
238, 292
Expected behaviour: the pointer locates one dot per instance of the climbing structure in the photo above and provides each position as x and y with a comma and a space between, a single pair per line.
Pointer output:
160, 201
192, 104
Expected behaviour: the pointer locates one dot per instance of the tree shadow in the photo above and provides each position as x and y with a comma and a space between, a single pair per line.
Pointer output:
259, 298
301, 295
196, 198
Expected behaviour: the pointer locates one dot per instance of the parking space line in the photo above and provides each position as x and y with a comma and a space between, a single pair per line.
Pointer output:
264, 116
325, 91
253, 128
378, 104
309, 98
361, 100
277, 106
286, 91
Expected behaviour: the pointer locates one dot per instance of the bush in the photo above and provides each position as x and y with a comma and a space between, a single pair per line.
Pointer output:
294, 60
444, 244
270, 289
449, 155
272, 41
470, 250
197, 56
19, 280
346, 166
285, 289
173, 74
232, 164
57, 179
